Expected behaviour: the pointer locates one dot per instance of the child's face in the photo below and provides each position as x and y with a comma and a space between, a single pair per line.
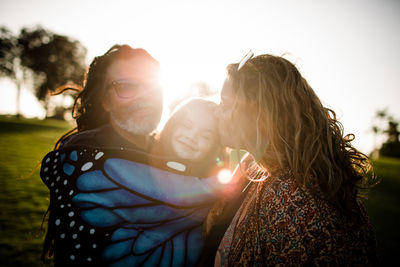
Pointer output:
195, 135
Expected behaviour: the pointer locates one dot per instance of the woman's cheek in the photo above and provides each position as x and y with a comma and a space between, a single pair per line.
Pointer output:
228, 134
224, 128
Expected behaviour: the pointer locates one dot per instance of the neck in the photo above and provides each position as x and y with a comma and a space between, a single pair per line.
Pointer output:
141, 141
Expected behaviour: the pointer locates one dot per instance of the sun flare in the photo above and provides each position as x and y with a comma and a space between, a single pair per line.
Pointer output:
224, 176
179, 81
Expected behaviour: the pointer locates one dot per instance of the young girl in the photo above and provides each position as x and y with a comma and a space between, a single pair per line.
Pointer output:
134, 212
191, 136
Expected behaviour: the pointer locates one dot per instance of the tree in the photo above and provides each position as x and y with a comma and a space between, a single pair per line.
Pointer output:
55, 59
10, 62
391, 147
393, 133
48, 59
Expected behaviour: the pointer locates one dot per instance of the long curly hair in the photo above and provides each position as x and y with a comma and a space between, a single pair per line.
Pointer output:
297, 132
88, 110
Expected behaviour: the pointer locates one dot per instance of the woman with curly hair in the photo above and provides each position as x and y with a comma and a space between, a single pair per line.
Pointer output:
302, 206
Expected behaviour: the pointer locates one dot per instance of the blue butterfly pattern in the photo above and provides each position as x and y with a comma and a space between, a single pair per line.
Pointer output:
107, 209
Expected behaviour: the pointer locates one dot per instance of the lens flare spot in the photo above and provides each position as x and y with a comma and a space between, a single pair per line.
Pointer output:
224, 176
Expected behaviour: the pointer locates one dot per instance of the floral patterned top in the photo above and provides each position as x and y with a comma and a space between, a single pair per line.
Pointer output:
283, 224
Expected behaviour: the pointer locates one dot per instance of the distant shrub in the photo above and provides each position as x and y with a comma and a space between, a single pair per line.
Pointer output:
390, 149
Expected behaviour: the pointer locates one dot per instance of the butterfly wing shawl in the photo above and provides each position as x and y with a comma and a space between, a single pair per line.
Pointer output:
124, 208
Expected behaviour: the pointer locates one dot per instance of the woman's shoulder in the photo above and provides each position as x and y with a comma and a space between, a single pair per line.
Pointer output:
298, 206
292, 211
281, 185
283, 194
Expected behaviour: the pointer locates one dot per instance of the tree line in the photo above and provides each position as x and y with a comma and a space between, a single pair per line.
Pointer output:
41, 58
385, 124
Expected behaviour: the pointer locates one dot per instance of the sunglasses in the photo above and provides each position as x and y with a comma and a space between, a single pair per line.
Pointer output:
128, 88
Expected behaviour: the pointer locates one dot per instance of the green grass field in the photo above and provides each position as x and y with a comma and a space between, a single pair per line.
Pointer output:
383, 206
23, 197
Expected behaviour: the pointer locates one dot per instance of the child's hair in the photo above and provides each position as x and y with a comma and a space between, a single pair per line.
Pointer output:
217, 154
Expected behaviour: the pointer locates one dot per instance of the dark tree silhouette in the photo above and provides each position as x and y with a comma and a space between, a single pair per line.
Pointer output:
55, 59
391, 147
49, 59
10, 62
392, 132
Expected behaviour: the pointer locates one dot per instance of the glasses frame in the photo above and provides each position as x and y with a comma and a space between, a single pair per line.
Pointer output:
112, 85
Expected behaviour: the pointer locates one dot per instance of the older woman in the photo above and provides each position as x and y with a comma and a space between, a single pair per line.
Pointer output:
302, 205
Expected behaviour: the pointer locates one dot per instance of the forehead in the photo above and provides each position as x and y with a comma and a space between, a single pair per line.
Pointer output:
139, 69
201, 116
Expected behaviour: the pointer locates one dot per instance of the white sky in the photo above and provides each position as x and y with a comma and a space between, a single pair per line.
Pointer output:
347, 50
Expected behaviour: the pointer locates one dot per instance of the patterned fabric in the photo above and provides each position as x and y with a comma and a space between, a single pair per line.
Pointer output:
109, 207
225, 245
221, 258
283, 224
